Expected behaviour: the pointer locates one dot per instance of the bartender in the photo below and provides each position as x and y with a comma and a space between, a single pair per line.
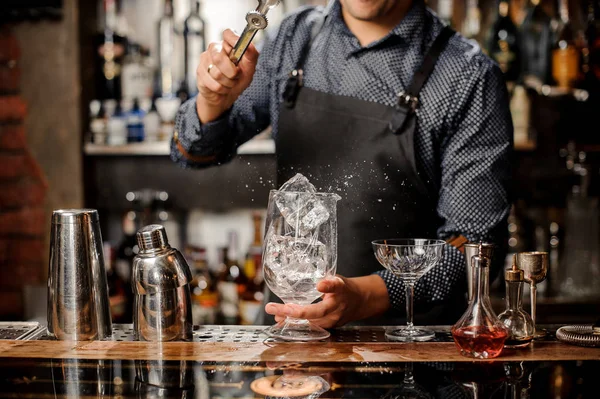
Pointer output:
380, 102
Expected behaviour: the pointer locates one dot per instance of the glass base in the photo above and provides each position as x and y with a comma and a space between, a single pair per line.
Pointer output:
292, 329
409, 335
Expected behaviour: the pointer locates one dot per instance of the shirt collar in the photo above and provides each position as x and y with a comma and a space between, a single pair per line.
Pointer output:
410, 27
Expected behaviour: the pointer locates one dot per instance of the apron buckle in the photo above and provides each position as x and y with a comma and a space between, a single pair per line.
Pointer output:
408, 100
292, 87
405, 109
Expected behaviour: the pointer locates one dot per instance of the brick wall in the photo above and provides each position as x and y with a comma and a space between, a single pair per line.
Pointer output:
23, 189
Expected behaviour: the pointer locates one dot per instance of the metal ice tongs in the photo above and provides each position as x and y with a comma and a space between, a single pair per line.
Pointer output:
257, 20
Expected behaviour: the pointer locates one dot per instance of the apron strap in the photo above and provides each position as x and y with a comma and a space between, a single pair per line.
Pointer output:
294, 82
409, 100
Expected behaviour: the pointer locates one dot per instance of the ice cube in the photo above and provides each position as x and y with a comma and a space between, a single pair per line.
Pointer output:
298, 257
298, 183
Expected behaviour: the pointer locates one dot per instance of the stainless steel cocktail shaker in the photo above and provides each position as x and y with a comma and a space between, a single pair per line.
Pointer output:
161, 276
78, 306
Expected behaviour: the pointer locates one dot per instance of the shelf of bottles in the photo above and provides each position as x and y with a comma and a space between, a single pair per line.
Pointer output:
147, 56
545, 47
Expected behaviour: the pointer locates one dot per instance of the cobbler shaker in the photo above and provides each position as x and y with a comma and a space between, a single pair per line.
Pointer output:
78, 306
161, 284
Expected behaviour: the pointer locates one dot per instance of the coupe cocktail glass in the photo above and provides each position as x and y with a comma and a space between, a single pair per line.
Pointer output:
409, 259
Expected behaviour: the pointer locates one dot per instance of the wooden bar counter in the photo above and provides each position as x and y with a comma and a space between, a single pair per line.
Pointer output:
238, 361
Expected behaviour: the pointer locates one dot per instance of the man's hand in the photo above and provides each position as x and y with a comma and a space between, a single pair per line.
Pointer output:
220, 81
344, 300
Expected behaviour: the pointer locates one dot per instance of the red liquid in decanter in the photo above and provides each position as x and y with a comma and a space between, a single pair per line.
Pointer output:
480, 341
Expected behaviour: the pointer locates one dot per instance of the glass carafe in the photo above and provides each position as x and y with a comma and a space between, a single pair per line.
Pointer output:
479, 333
518, 323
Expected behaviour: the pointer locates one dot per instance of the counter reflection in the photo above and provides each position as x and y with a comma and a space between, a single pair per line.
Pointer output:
79, 378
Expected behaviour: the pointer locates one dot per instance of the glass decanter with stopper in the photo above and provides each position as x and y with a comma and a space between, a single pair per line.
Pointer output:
518, 323
479, 333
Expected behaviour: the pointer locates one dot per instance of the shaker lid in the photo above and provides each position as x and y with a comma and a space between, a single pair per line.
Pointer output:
151, 237
514, 274
74, 216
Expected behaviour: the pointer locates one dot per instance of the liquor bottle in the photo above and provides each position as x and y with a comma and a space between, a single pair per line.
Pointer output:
166, 51
565, 56
504, 44
135, 123
111, 48
256, 248
230, 282
520, 109
536, 43
137, 77
251, 297
204, 297
152, 124
444, 10
194, 45
472, 23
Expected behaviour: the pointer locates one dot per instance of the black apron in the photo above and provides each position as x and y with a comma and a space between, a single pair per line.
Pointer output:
363, 151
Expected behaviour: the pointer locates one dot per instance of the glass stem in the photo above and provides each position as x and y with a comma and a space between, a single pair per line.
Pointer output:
289, 321
533, 303
410, 290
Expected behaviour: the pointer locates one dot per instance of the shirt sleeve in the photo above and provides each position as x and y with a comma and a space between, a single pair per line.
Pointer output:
474, 197
201, 145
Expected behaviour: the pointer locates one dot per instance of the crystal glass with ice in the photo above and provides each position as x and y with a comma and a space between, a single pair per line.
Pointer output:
300, 250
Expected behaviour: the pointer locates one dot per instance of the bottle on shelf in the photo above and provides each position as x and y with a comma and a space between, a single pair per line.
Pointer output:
256, 248
97, 122
503, 46
444, 10
116, 127
111, 48
565, 54
194, 45
137, 77
472, 23
231, 282
135, 123
536, 42
520, 109
166, 52
152, 124
205, 299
